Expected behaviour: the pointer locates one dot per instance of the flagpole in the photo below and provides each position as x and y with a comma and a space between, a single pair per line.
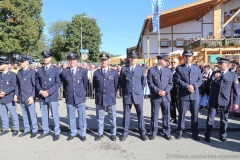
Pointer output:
159, 43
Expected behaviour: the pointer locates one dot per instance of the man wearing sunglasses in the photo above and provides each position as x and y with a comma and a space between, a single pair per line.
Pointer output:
25, 93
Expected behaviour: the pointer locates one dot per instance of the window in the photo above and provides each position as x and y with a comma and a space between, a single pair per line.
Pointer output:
164, 42
179, 42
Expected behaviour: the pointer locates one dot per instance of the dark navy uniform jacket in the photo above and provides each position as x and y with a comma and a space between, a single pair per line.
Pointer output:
26, 84
184, 77
49, 80
105, 87
75, 85
8, 84
221, 88
132, 84
160, 80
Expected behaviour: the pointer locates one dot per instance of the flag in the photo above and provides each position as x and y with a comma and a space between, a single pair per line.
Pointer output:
157, 7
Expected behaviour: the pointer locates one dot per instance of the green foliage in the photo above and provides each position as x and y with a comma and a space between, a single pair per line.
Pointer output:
110, 54
21, 26
58, 45
91, 36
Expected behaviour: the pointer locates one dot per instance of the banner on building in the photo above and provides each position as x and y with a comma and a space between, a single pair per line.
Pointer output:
157, 7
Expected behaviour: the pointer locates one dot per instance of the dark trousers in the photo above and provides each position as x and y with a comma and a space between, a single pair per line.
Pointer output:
223, 120
183, 108
165, 107
173, 107
90, 90
126, 118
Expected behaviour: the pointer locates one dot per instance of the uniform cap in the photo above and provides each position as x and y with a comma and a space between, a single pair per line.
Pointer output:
187, 53
46, 54
104, 56
72, 56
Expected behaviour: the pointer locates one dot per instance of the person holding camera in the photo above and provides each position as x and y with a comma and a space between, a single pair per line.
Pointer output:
204, 89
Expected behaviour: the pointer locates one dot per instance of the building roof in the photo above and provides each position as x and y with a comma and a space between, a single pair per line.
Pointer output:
181, 14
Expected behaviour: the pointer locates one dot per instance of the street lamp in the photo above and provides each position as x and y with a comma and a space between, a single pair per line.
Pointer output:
81, 30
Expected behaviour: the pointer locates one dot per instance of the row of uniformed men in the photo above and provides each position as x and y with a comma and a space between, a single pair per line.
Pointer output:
48, 79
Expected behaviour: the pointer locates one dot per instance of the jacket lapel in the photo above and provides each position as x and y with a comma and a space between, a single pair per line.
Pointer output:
157, 70
77, 72
187, 69
128, 70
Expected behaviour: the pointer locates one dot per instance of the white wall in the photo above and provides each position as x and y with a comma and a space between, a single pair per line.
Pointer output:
233, 4
187, 27
206, 29
208, 18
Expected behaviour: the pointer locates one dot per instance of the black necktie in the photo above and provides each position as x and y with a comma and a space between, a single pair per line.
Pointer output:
132, 70
104, 72
46, 69
72, 72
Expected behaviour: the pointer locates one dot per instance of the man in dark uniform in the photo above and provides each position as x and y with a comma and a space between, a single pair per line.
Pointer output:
47, 84
8, 84
105, 84
159, 80
25, 93
234, 64
75, 82
222, 82
132, 82
188, 77
174, 93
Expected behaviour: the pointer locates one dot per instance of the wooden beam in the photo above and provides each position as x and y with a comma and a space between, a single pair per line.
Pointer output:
231, 18
148, 44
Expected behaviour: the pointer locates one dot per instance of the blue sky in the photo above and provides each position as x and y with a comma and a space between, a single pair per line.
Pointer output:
120, 21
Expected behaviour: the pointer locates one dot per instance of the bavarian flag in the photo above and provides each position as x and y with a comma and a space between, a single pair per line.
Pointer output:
157, 7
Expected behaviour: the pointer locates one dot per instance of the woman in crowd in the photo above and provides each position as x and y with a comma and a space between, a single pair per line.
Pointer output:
146, 88
236, 112
204, 90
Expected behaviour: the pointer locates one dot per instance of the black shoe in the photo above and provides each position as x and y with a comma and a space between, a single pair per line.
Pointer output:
223, 139
196, 138
167, 137
179, 136
143, 137
4, 132
175, 121
56, 137
113, 137
151, 137
43, 135
98, 138
34, 134
70, 138
83, 138
123, 138
24, 134
201, 107
15, 133
207, 139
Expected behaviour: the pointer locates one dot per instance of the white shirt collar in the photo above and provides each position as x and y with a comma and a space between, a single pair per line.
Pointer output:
49, 65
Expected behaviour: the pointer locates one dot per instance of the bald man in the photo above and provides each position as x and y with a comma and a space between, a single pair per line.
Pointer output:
174, 93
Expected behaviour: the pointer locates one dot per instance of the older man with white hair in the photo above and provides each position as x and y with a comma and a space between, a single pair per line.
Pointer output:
174, 92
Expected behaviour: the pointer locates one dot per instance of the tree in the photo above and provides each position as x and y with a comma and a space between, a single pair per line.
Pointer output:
91, 36
21, 26
58, 45
110, 54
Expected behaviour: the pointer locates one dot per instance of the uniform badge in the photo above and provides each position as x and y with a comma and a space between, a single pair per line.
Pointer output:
24, 79
237, 82
50, 79
103, 55
45, 52
78, 81
7, 82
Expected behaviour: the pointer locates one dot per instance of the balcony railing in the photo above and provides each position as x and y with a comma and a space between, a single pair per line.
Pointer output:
213, 43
